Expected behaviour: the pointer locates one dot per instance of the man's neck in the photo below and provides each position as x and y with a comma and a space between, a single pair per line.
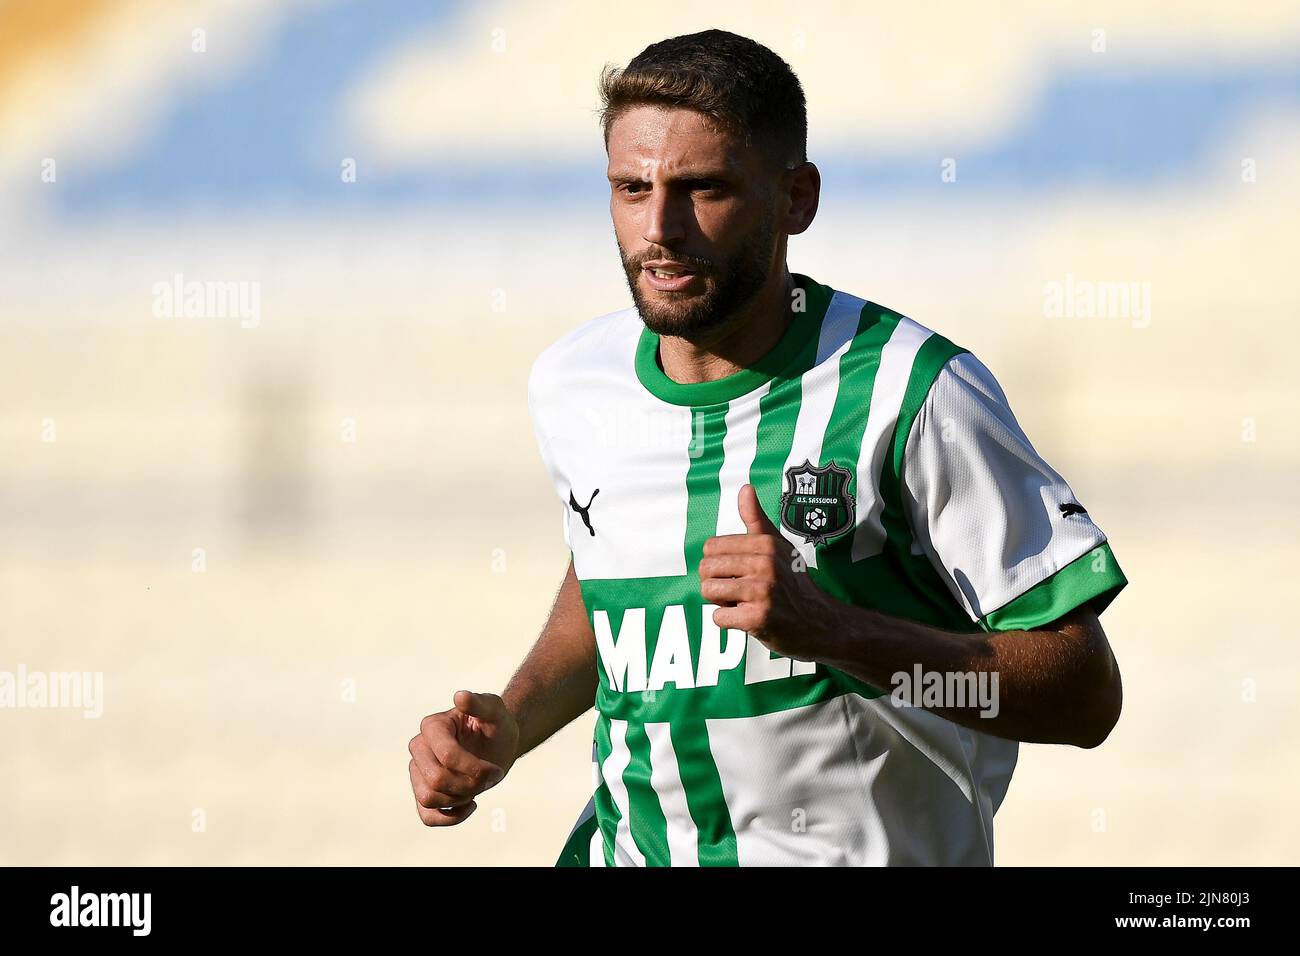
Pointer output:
750, 335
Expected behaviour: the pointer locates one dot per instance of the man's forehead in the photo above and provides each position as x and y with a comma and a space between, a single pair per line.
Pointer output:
670, 140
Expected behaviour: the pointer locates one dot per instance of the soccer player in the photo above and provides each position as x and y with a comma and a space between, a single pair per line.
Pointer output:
821, 582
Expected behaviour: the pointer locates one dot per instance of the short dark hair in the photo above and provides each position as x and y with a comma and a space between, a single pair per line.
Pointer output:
737, 83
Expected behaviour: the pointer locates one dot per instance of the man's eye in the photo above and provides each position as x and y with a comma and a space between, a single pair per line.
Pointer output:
633, 189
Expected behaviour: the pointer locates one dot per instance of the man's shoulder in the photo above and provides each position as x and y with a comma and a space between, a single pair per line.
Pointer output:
910, 352
907, 330
604, 343
917, 371
900, 330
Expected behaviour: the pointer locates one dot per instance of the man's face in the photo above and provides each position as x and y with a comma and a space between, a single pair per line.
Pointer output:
695, 216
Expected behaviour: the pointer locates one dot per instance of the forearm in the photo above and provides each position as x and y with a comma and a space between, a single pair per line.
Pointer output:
556, 683
1055, 685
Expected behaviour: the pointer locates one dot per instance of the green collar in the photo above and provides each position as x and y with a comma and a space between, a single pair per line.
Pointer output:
805, 325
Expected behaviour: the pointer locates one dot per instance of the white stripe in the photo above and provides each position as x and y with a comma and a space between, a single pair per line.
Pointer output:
596, 853
820, 386
839, 326
683, 838
896, 360
612, 770
738, 448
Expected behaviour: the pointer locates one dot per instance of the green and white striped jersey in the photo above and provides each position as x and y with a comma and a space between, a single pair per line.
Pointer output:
708, 748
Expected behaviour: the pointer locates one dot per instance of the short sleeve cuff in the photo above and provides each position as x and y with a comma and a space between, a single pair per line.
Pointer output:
1094, 577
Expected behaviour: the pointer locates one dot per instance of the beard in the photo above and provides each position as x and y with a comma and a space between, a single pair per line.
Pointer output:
730, 285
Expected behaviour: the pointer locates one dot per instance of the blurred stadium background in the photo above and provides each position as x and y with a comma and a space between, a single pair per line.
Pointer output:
414, 191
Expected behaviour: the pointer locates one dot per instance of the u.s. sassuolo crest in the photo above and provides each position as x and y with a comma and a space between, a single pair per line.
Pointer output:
816, 503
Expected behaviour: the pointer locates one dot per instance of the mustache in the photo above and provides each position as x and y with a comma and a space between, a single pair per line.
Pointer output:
694, 263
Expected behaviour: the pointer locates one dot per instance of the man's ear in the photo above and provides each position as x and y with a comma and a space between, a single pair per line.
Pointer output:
804, 187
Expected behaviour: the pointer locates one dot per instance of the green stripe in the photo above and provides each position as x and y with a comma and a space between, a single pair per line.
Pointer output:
606, 812
779, 412
703, 487
704, 797
647, 822
930, 359
1094, 576
842, 441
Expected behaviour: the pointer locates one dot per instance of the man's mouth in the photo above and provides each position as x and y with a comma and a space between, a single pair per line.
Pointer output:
668, 276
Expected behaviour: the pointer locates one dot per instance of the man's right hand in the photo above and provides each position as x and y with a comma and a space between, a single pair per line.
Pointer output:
458, 754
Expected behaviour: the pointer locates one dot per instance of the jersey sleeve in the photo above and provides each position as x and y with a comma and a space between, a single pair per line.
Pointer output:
1004, 531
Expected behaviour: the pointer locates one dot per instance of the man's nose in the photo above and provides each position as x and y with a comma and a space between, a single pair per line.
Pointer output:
665, 221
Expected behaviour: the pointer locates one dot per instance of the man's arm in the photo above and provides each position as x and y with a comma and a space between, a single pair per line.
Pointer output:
1056, 684
463, 751
556, 683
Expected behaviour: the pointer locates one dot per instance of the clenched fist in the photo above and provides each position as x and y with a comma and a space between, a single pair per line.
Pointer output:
458, 754
753, 579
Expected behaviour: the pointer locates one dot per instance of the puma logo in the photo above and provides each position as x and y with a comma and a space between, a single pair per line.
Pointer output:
1073, 508
584, 509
